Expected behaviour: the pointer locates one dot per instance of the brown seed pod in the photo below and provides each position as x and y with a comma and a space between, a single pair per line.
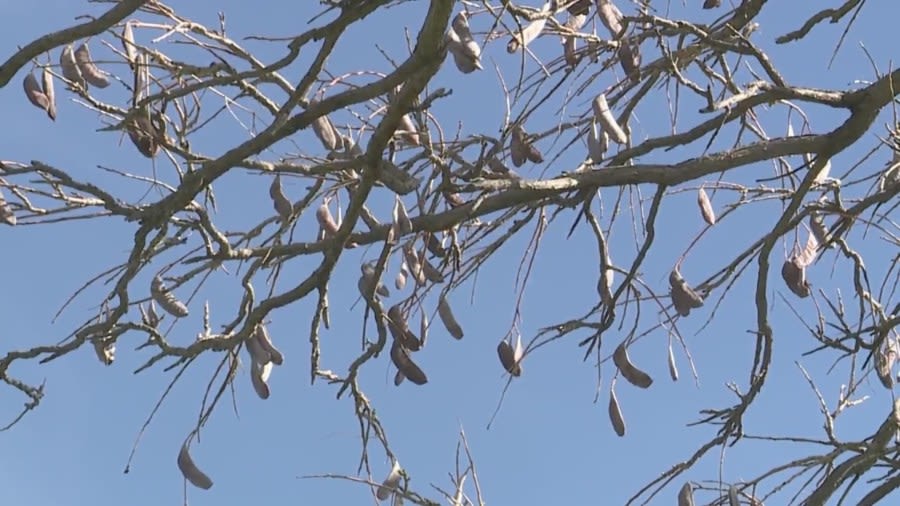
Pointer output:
265, 342
6, 213
607, 121
686, 495
526, 36
403, 362
407, 131
460, 25
414, 265
34, 93
399, 328
131, 51
885, 357
453, 199
709, 216
517, 146
610, 16
106, 352
326, 220
366, 280
166, 299
631, 373
630, 60
818, 228
190, 471
257, 353
448, 319
794, 275
69, 67
89, 71
711, 4
684, 298
259, 375
402, 224
149, 317
673, 369
598, 143
509, 359
733, 496
390, 483
431, 272
144, 134
615, 414
570, 50
398, 378
435, 247
423, 327
580, 8
325, 131
282, 205
466, 54
47, 85
400, 280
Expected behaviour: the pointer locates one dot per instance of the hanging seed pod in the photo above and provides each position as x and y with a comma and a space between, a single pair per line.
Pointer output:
631, 373
465, 51
434, 246
400, 280
35, 94
324, 130
733, 497
47, 85
580, 8
128, 43
326, 221
89, 71
190, 471
605, 286
257, 353
684, 298
6, 213
686, 495
69, 67
706, 209
517, 146
259, 375
106, 352
149, 317
794, 275
526, 36
402, 224
399, 328
398, 378
809, 252
368, 277
610, 16
818, 228
615, 414
630, 60
570, 51
508, 359
460, 25
673, 369
598, 143
448, 319
430, 272
404, 363
711, 4
414, 265
607, 121
885, 357
265, 342
282, 205
390, 483
423, 327
407, 131
144, 134
166, 299
823, 174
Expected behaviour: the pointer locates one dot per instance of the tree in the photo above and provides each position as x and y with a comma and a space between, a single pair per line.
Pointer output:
424, 157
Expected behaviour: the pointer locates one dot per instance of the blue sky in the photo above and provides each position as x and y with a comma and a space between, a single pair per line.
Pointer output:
550, 443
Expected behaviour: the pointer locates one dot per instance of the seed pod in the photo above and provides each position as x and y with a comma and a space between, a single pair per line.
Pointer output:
69, 67
414, 265
282, 205
448, 319
89, 71
631, 373
460, 25
517, 146
605, 285
607, 121
686, 495
580, 8
399, 328
324, 130
400, 280
47, 85
326, 220
6, 213
368, 277
257, 353
259, 375
403, 362
166, 299
402, 224
818, 228
435, 247
265, 342
598, 143
398, 378
423, 327
190, 471
397, 180
34, 93
390, 483
794, 275
106, 352
885, 356
673, 369
508, 359
610, 16
823, 174
128, 43
711, 4
733, 497
430, 272
466, 54
149, 317
684, 298
144, 134
570, 49
407, 131
709, 216
615, 414
526, 36
808, 254
630, 60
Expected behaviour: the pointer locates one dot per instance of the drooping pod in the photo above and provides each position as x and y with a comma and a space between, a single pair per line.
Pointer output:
630, 59
510, 358
684, 298
597, 142
166, 299
401, 222
706, 209
607, 121
282, 205
149, 317
128, 44
414, 265
794, 274
146, 131
89, 71
326, 221
106, 351
448, 319
462, 47
611, 17
430, 272
265, 342
399, 328
190, 471
368, 278
407, 131
324, 130
401, 359
69, 67
521, 148
400, 280
390, 483
47, 85
259, 376
615, 414
629, 371
673, 368
34, 93
529, 32
686, 495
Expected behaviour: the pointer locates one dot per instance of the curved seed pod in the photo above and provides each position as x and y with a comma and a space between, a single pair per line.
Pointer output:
400, 280
605, 285
884, 364
733, 497
517, 146
673, 369
257, 353
423, 327
709, 216
368, 277
398, 378
70, 67
149, 317
580, 8
686, 495
460, 25
453, 327
818, 228
190, 471
630, 60
390, 483
711, 4
570, 51
259, 375
34, 93
631, 373
397, 180
823, 174
508, 359
47, 85
684, 298
431, 272
128, 43
282, 205
794, 275
106, 352
610, 16
166, 299
402, 224
6, 213
401, 359
607, 121
810, 251
326, 220
466, 54
324, 130
526, 36
407, 131
615, 414
414, 265
598, 143
399, 328
90, 72
144, 134
434, 246
262, 336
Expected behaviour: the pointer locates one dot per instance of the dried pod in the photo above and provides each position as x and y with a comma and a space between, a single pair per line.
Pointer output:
448, 319
69, 67
35, 94
89, 71
325, 131
885, 357
809, 252
259, 375
47, 85
460, 25
733, 496
423, 328
597, 142
402, 224
580, 8
399, 328
106, 352
823, 174
282, 205
631, 373
711, 4
144, 134
794, 275
615, 414
398, 378
607, 121
526, 36
517, 146
6, 213
414, 265
390, 483
818, 228
256, 351
128, 43
605, 285
673, 369
400, 280
407, 131
326, 220
453, 199
403, 362
166, 299
434, 246
149, 317
570, 50
686, 495
684, 298
460, 44
430, 272
630, 60
610, 16
508, 359
709, 216
190, 471
265, 342
366, 280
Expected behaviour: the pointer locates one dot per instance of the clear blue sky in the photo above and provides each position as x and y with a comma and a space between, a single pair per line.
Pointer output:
550, 443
